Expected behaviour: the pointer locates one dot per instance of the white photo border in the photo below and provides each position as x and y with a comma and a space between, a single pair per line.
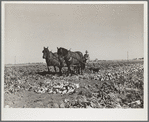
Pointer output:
77, 114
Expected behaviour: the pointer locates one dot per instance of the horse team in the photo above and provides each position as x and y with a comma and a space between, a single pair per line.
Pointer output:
65, 58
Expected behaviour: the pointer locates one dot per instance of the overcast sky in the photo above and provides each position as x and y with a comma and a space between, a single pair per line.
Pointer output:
106, 31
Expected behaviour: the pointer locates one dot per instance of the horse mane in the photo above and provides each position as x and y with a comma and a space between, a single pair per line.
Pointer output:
64, 50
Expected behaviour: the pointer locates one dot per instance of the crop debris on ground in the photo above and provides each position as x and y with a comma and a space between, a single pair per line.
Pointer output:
110, 85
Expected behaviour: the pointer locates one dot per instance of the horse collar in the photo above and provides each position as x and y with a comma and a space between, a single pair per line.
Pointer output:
70, 59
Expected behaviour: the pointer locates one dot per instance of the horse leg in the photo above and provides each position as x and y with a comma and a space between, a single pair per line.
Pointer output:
81, 69
55, 68
78, 68
60, 70
69, 70
48, 68
75, 69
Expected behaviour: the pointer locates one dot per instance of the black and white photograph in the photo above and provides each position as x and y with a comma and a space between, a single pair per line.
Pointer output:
74, 58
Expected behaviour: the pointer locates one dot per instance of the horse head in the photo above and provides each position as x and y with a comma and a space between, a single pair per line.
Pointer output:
45, 52
62, 51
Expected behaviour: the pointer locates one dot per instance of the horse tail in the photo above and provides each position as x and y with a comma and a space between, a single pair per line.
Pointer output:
82, 59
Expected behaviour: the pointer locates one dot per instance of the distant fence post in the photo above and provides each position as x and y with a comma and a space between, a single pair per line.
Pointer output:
127, 56
15, 60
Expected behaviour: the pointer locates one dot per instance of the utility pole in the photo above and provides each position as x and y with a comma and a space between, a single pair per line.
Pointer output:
127, 55
15, 59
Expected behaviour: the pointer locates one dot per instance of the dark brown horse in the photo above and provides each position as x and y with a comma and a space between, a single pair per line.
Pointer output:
52, 59
72, 58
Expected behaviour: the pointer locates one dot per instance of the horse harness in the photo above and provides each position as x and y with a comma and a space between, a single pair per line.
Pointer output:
72, 57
